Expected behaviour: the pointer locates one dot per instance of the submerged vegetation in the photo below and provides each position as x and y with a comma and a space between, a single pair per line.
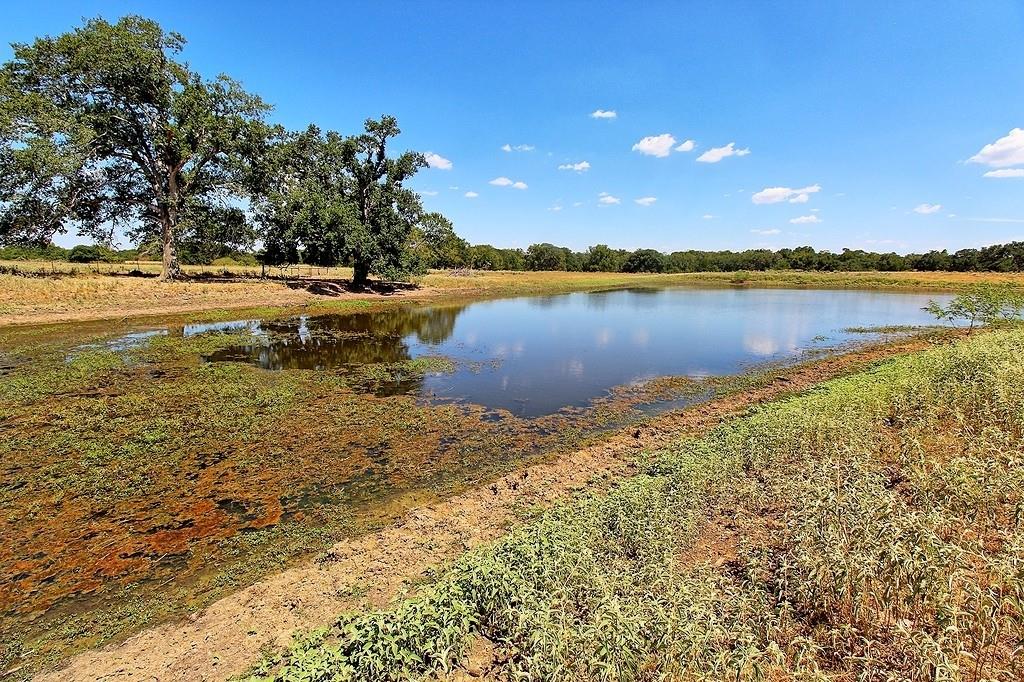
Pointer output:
871, 529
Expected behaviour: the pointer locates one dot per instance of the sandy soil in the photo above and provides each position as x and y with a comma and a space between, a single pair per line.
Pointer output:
232, 634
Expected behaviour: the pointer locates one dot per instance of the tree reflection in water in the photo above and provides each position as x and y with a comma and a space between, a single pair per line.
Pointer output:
328, 341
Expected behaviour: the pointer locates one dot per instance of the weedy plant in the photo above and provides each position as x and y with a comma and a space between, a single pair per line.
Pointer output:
876, 531
983, 303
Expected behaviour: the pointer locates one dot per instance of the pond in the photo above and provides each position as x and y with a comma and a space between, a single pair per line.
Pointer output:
533, 356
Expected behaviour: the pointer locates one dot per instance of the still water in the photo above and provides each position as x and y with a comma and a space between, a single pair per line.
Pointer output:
532, 356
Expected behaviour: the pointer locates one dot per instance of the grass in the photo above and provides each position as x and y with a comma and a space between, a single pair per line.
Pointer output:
89, 295
872, 529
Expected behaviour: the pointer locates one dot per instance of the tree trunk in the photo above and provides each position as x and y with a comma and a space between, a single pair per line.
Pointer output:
360, 274
171, 269
169, 220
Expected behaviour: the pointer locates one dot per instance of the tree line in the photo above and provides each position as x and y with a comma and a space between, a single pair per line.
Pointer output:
457, 253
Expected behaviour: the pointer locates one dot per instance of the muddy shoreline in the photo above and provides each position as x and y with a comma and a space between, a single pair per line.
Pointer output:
230, 635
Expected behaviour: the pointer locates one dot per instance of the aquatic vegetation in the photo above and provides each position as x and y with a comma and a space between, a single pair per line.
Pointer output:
204, 477
873, 528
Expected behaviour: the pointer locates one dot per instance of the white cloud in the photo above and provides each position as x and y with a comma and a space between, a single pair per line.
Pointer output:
471, 195
437, 161
655, 145
774, 195
716, 154
429, 193
601, 113
686, 146
766, 233
926, 209
517, 148
806, 220
645, 201
708, 216
606, 199
556, 208
577, 203
1006, 173
578, 167
507, 182
1006, 151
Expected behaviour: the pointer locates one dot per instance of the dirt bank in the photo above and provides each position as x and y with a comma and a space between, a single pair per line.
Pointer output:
227, 637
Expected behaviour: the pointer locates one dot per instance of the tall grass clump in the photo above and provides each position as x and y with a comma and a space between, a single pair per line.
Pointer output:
871, 529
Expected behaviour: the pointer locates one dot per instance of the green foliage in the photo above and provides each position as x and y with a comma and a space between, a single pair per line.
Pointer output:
981, 304
92, 254
102, 127
601, 258
49, 252
436, 245
886, 543
486, 257
644, 260
326, 199
546, 257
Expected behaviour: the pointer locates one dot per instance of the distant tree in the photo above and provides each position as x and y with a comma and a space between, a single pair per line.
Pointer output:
486, 257
644, 260
931, 261
92, 253
513, 259
442, 248
34, 252
211, 232
545, 257
102, 127
602, 258
574, 261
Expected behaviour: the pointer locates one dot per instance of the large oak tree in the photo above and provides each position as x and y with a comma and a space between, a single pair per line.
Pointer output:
103, 128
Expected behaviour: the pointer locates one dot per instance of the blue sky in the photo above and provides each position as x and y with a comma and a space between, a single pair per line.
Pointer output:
874, 109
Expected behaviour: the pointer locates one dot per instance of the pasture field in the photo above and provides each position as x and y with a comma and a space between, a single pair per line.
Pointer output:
36, 293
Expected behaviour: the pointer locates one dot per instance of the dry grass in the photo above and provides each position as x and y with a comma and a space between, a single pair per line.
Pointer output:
94, 292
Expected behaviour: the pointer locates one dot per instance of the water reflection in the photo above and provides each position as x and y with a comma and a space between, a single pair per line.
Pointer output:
534, 356
326, 341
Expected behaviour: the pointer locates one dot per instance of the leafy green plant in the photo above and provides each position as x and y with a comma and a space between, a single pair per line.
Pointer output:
981, 304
